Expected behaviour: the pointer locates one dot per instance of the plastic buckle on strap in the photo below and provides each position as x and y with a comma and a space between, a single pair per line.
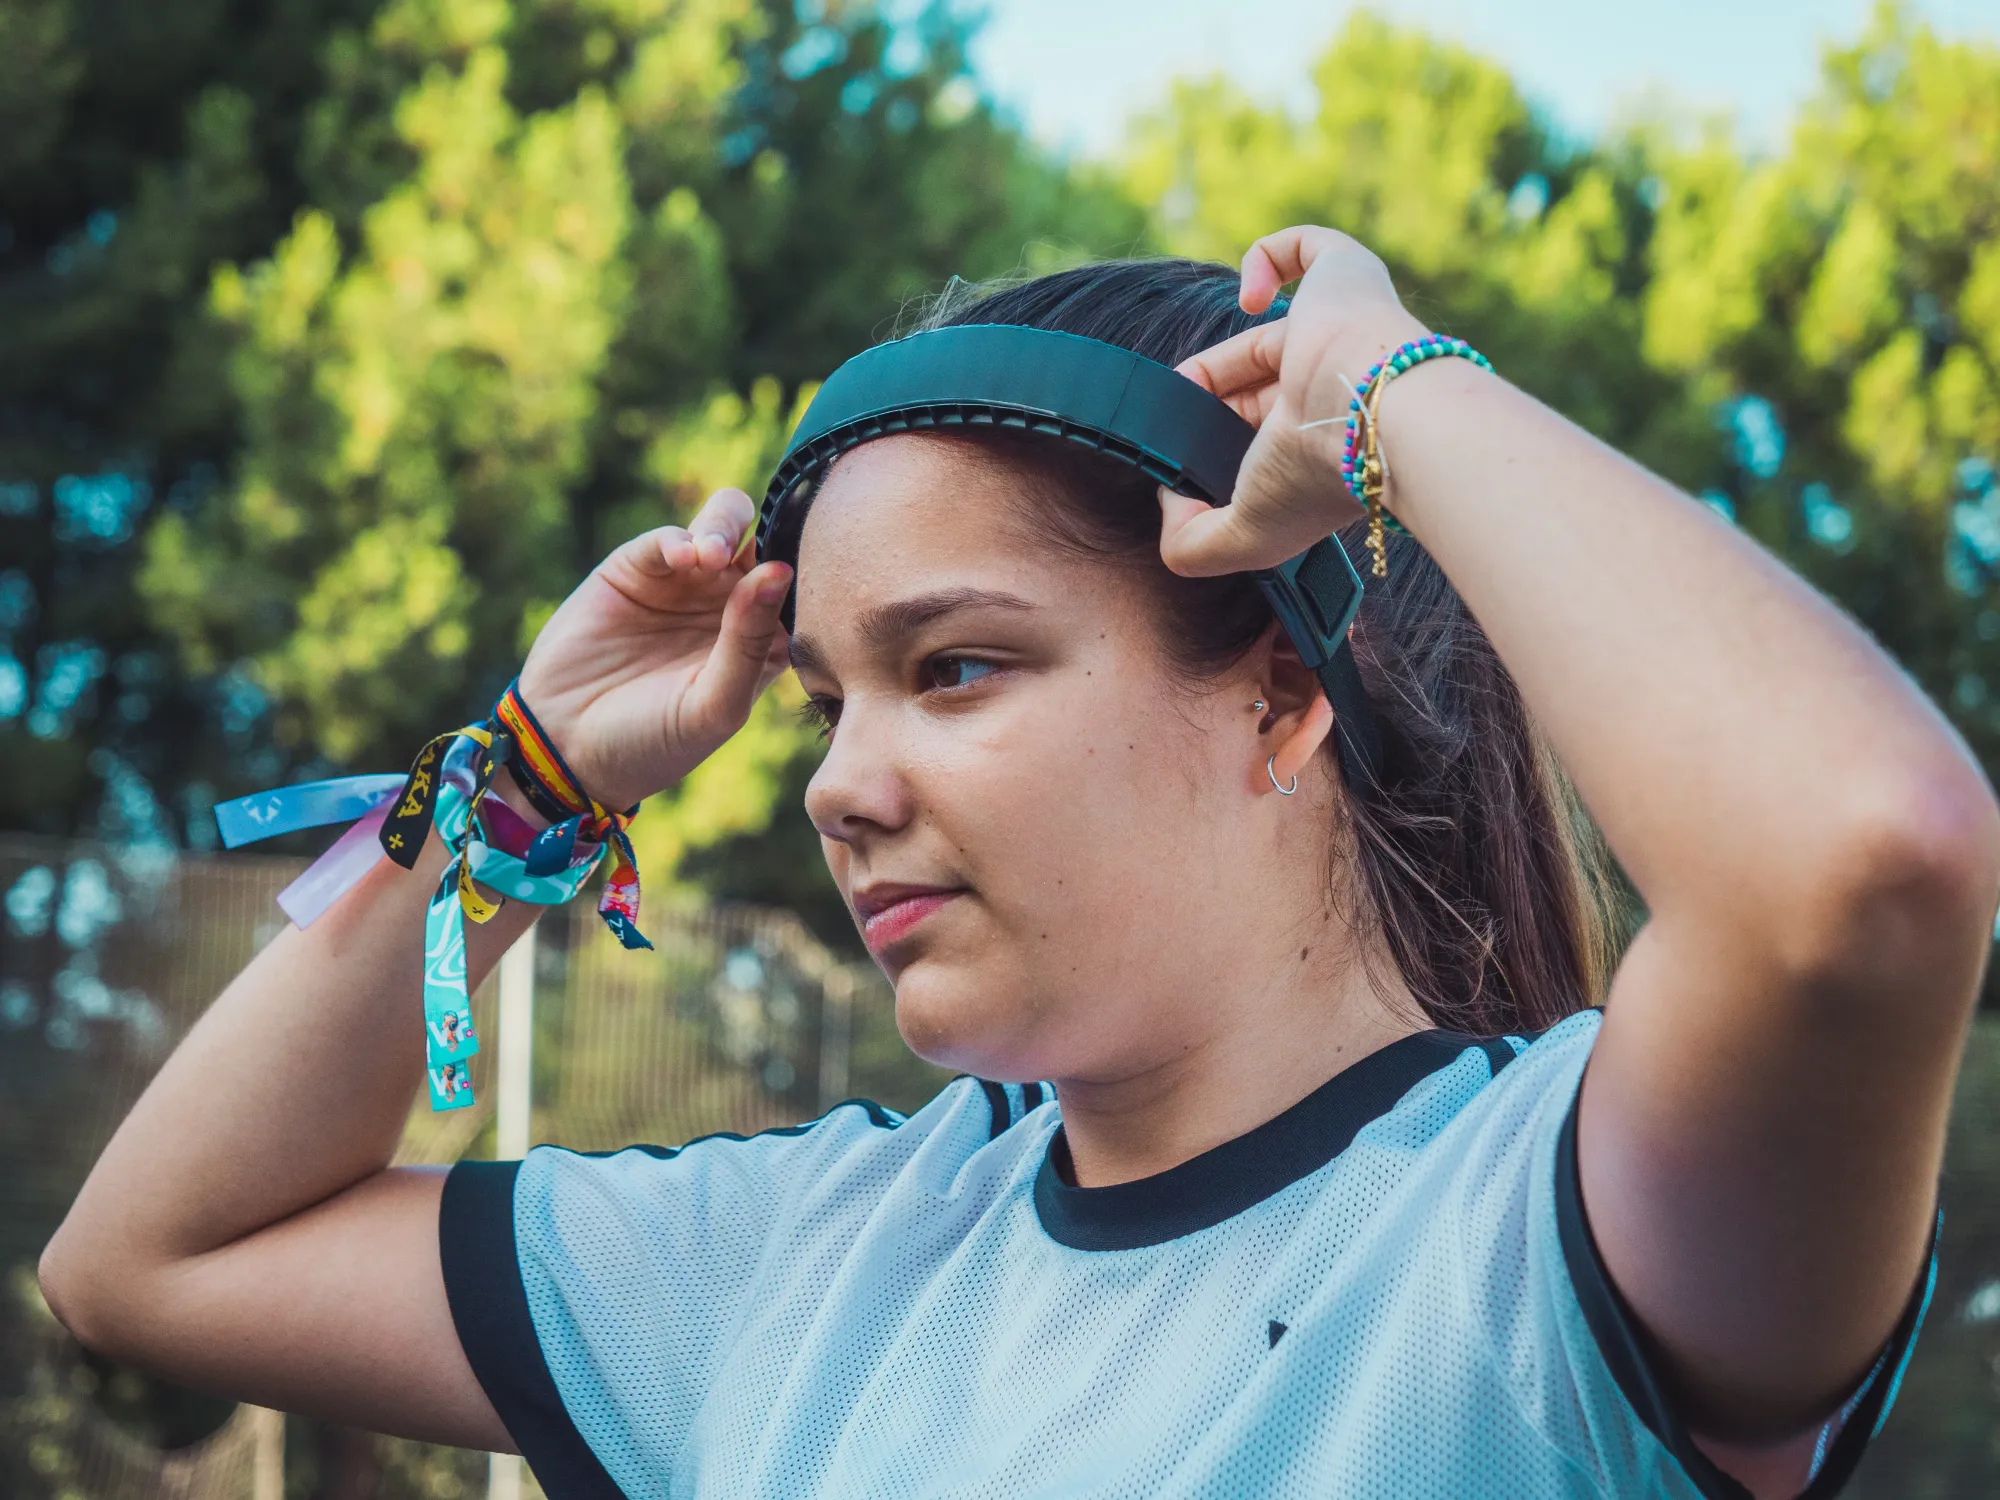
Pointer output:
1315, 597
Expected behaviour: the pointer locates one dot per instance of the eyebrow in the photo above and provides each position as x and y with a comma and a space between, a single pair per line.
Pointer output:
886, 624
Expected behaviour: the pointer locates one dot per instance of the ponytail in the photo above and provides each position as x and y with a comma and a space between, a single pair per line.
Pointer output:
1483, 875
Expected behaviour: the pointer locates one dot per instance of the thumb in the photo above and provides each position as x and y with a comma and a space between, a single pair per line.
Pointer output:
1199, 540
745, 643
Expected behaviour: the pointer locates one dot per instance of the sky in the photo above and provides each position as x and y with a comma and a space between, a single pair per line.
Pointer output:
1073, 70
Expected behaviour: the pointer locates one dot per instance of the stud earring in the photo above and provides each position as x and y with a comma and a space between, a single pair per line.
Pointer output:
1257, 707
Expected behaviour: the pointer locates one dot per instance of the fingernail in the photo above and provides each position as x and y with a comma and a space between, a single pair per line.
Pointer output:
774, 588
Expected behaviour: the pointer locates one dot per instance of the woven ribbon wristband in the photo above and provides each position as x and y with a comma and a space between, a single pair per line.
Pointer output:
445, 789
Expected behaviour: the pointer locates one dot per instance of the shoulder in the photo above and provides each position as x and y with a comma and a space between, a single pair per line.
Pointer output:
657, 1194
1478, 1097
587, 1288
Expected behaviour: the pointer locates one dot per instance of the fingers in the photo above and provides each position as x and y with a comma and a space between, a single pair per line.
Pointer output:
1244, 362
720, 526
1198, 540
1278, 258
748, 640
714, 540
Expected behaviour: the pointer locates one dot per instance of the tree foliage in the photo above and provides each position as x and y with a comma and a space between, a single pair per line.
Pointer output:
362, 338
1809, 341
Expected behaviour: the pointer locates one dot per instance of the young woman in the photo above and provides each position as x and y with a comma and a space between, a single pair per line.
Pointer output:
1341, 1190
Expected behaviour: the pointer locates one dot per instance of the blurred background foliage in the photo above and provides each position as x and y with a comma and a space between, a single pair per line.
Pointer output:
340, 341
339, 337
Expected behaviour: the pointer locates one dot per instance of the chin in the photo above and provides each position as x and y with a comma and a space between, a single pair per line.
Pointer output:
958, 1018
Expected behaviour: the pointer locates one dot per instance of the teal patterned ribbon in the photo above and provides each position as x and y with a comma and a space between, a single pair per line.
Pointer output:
449, 1035
450, 1038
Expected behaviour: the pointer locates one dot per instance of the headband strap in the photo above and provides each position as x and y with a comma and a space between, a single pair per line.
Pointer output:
1123, 405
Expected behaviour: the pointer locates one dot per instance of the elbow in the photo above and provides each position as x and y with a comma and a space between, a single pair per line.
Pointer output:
72, 1288
57, 1275
1898, 893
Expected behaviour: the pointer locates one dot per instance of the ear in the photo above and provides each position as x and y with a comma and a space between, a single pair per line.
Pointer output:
1300, 718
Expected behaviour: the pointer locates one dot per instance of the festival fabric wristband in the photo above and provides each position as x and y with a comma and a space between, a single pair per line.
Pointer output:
446, 790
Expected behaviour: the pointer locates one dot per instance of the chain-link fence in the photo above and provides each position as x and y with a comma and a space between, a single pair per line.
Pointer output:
737, 1020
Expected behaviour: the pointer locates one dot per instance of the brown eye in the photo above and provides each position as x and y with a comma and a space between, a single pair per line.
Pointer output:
947, 672
820, 714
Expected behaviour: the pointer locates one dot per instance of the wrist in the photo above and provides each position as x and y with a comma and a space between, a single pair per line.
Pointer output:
513, 803
1406, 405
1370, 340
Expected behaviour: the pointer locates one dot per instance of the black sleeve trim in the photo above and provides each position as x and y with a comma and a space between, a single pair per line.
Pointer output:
1618, 1339
489, 1306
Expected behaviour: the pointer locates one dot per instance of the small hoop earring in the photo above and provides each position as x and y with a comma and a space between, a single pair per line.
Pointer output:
1271, 770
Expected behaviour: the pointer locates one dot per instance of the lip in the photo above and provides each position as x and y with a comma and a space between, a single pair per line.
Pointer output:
889, 911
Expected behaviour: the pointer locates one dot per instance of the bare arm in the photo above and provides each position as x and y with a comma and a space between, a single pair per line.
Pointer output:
1762, 1122
243, 1232
1762, 1125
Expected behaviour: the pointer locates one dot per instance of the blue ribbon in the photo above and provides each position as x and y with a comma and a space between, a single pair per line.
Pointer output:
547, 878
554, 847
310, 804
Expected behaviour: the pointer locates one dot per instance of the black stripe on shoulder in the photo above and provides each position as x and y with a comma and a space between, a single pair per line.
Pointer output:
489, 1308
1499, 1052
1621, 1342
1001, 1106
878, 1116
1031, 1097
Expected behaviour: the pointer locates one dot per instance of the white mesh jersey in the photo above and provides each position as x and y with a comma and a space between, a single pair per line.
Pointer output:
1388, 1290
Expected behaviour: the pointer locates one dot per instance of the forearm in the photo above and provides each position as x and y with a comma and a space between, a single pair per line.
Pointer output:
293, 1086
1764, 1116
1742, 744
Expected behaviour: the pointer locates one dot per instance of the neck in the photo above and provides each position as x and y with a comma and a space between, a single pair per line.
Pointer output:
1255, 1055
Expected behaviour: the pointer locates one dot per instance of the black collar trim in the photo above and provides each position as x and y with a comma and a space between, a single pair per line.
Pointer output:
1222, 1182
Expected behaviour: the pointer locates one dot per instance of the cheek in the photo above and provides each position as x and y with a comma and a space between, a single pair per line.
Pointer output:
1071, 807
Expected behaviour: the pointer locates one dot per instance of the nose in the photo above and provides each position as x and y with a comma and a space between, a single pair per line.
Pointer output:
860, 787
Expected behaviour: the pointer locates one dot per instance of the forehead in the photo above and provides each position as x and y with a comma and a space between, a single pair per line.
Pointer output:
912, 511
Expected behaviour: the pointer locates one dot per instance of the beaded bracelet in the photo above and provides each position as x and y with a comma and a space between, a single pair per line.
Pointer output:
1363, 468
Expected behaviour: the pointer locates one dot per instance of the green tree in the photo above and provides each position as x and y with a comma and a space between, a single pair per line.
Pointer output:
138, 146
1841, 304
577, 278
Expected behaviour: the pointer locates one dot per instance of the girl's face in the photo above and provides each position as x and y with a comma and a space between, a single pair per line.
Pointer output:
1046, 838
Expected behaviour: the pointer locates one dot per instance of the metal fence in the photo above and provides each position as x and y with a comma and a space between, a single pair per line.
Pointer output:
737, 1020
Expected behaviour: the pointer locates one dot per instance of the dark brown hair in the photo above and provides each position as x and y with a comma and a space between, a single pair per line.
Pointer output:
1477, 866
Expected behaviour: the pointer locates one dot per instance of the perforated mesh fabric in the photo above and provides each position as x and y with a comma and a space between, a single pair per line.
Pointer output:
873, 1307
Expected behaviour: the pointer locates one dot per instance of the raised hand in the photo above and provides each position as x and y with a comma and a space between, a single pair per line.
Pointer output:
658, 655
1293, 380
